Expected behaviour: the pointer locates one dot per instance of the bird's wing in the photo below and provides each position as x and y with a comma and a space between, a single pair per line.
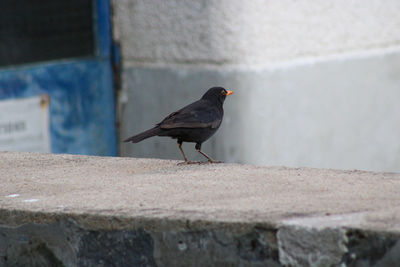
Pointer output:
195, 115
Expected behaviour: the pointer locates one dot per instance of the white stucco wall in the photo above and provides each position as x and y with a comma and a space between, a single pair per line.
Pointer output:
317, 82
253, 32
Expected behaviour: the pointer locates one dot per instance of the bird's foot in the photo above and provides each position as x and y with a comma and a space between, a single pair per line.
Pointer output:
215, 161
198, 162
188, 162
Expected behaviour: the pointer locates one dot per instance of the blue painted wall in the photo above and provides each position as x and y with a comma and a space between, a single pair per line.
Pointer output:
82, 104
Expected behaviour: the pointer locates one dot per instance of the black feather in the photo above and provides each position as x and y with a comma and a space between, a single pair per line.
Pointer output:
144, 135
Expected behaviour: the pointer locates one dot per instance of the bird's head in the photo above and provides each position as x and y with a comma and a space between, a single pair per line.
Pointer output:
217, 94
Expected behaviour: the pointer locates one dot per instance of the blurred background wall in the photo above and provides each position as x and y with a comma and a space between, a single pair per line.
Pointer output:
56, 77
317, 83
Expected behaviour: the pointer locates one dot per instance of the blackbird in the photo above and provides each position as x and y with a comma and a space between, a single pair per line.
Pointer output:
193, 123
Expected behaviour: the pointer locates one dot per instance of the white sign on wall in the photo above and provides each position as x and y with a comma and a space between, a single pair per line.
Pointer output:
24, 124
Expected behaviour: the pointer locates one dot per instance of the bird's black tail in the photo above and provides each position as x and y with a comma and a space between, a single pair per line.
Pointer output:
146, 134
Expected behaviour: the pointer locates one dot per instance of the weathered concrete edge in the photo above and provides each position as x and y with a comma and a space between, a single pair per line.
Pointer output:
109, 221
96, 221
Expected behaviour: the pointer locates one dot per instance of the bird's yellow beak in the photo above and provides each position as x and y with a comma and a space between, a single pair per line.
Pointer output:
229, 92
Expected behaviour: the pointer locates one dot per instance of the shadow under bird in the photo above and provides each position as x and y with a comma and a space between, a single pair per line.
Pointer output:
194, 123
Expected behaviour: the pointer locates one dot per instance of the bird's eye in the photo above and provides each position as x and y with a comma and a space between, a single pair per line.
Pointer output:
223, 92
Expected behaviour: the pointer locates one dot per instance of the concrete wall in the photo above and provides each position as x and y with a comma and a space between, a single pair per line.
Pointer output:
317, 84
69, 210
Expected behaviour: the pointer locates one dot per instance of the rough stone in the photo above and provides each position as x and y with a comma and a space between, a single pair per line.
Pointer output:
311, 246
67, 243
371, 249
39, 245
116, 248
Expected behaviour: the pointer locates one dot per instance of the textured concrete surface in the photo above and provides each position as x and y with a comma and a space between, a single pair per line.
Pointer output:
90, 211
338, 113
226, 192
251, 32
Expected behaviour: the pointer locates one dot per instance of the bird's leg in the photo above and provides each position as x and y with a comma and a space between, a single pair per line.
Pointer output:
198, 148
180, 148
183, 153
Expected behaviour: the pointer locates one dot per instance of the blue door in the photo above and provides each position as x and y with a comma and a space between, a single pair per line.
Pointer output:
62, 49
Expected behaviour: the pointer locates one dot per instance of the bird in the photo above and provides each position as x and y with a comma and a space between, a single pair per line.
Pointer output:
194, 123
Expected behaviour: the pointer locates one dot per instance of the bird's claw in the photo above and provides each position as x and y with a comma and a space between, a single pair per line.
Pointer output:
197, 162
214, 161
187, 162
